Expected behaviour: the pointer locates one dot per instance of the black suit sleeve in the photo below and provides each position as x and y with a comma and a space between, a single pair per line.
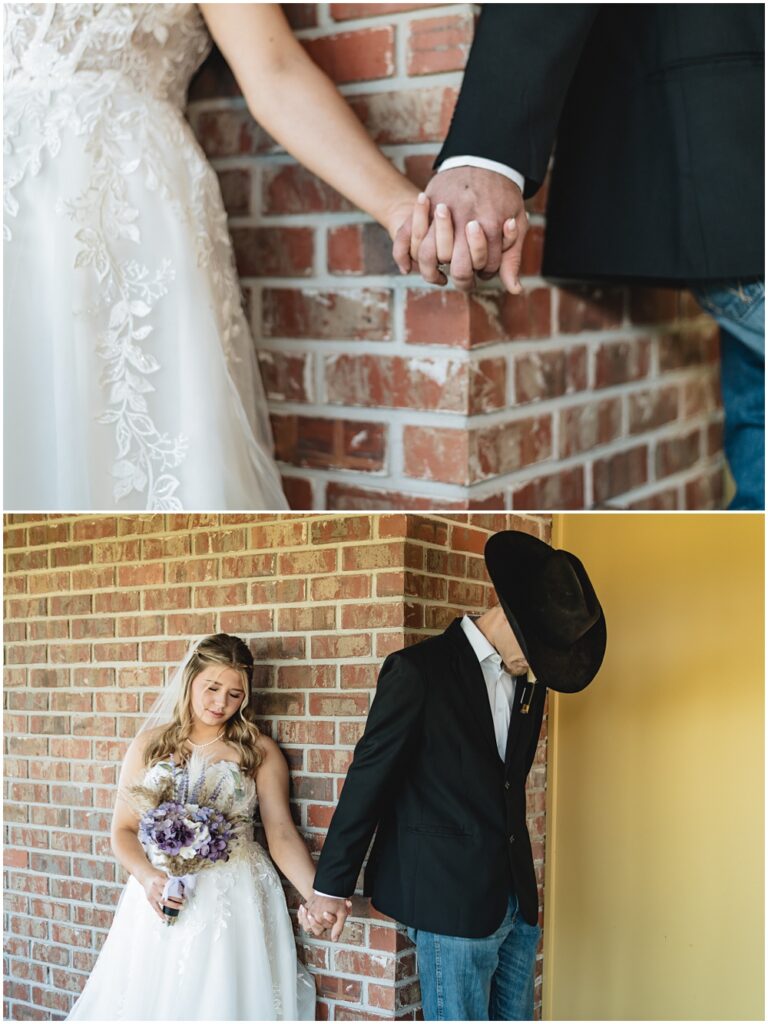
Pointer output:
517, 77
380, 756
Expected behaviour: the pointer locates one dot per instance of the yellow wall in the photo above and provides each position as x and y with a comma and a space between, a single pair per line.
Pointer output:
654, 901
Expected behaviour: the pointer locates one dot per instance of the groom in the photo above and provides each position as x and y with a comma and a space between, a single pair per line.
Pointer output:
658, 176
440, 772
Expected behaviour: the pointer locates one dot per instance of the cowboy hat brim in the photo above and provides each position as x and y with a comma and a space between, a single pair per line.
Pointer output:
514, 559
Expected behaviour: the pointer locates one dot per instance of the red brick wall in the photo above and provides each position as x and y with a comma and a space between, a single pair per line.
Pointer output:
96, 607
387, 393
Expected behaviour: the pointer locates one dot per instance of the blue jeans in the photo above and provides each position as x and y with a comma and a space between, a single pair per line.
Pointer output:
739, 309
479, 979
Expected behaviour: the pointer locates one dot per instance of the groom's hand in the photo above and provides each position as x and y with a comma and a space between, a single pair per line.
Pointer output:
328, 912
475, 194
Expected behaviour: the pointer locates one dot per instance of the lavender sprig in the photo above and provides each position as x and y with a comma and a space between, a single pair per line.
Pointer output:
183, 785
197, 789
217, 790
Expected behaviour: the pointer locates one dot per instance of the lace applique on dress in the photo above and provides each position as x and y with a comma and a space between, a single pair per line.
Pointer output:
115, 77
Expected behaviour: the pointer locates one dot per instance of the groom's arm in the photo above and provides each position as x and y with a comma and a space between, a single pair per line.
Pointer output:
519, 69
379, 760
503, 128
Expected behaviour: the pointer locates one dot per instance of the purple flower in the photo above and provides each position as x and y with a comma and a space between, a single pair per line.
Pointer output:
187, 831
167, 828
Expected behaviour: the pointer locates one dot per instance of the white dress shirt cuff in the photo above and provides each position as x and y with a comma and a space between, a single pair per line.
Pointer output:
328, 895
487, 165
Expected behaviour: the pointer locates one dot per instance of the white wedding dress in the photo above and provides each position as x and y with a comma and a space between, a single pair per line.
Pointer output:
231, 954
131, 381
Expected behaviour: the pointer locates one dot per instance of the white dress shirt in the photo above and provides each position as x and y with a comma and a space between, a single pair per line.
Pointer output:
488, 165
499, 683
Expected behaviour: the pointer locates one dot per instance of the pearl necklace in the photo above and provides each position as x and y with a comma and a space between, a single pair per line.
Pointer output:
201, 745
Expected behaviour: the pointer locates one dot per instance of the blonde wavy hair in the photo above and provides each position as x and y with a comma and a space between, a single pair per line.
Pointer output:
240, 731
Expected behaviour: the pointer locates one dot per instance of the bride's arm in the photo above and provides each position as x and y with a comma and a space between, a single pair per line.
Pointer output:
296, 102
286, 847
125, 831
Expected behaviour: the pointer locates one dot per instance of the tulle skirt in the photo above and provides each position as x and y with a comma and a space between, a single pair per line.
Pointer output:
231, 954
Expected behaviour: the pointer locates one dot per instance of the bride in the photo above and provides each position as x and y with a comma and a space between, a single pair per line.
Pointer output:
230, 954
131, 380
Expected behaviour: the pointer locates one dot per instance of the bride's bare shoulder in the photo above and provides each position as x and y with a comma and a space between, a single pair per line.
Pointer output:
147, 736
139, 744
134, 762
267, 748
272, 761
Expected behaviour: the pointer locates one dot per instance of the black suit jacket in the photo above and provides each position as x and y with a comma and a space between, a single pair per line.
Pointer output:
452, 842
658, 112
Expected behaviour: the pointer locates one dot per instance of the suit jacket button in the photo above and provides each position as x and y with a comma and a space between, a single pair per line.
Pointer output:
511, 839
506, 785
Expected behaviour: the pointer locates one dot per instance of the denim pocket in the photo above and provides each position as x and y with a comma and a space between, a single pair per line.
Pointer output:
732, 301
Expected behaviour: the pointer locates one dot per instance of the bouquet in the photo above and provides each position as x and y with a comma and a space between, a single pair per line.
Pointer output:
186, 825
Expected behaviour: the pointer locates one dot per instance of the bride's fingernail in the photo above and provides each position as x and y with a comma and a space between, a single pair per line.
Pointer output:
474, 226
441, 210
422, 197
511, 224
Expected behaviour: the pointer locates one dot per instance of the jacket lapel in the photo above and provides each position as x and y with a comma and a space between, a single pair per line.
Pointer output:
515, 721
475, 688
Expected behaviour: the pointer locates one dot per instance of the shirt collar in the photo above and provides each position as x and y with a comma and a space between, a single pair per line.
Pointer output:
481, 645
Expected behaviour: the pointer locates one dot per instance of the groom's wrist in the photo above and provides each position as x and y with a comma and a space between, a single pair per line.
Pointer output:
487, 165
328, 895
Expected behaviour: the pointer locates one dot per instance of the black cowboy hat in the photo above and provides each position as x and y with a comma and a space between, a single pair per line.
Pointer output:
551, 606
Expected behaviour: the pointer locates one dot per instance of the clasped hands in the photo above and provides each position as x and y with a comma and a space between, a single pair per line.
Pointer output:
468, 221
324, 913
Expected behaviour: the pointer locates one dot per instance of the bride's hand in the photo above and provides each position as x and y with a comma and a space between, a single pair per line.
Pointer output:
153, 883
398, 215
410, 233
435, 244
325, 913
308, 926
432, 245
